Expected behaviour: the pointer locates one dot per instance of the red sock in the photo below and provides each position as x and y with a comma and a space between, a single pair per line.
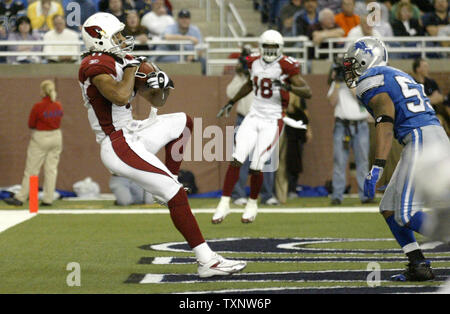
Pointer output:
256, 181
184, 221
231, 178
174, 158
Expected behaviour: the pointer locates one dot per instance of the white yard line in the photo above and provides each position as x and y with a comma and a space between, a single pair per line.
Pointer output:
10, 218
212, 210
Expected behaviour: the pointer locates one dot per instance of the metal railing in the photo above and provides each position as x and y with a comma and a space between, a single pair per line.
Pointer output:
181, 51
217, 49
393, 45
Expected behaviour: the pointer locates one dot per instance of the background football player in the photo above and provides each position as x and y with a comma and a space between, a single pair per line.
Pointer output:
128, 147
401, 110
272, 76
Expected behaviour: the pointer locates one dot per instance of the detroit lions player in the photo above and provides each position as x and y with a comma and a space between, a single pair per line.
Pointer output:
401, 110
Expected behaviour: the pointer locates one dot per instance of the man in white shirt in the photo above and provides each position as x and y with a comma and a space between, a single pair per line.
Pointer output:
351, 130
157, 19
61, 33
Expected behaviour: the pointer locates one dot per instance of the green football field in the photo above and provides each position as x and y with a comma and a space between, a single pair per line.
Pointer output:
304, 246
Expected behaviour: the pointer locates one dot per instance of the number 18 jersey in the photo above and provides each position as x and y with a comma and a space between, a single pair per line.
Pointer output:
269, 99
412, 106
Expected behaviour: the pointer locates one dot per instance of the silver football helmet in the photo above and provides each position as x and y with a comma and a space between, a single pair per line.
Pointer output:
363, 54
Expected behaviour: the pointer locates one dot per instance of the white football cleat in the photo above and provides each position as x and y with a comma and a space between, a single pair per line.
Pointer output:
250, 212
219, 266
242, 201
222, 210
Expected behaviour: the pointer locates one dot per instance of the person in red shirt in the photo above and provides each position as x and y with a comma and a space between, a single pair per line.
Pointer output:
45, 145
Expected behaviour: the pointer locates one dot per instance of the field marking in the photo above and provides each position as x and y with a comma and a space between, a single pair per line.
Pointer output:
10, 218
296, 210
325, 289
340, 275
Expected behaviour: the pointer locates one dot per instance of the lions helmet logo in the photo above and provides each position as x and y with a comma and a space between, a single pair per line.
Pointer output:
362, 45
94, 31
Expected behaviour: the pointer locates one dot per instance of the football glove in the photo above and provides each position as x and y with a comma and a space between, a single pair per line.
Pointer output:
136, 62
282, 85
297, 124
371, 181
159, 80
225, 110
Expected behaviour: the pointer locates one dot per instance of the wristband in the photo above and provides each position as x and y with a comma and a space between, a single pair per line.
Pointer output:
380, 163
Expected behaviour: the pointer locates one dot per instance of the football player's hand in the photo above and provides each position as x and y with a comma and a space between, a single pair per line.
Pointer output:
225, 110
282, 85
159, 80
371, 181
136, 62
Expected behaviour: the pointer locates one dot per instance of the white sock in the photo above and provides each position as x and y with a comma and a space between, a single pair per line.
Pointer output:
203, 253
252, 201
225, 199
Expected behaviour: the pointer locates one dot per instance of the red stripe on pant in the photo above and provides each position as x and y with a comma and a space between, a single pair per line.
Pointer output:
128, 156
173, 164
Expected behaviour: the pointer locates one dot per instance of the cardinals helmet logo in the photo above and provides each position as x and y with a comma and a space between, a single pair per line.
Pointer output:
94, 31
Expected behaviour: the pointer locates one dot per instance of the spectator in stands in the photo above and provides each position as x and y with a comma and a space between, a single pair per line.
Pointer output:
395, 8
24, 31
3, 36
45, 145
41, 13
404, 24
437, 19
182, 30
363, 29
351, 130
326, 28
61, 33
10, 10
286, 18
157, 20
118, 9
134, 28
87, 8
127, 192
334, 5
136, 5
347, 19
305, 18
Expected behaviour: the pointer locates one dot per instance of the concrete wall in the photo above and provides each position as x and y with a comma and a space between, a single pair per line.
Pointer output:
198, 96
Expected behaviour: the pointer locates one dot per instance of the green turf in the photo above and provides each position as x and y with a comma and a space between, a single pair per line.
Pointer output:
35, 253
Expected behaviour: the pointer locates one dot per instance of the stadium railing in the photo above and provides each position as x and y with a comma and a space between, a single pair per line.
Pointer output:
216, 49
413, 45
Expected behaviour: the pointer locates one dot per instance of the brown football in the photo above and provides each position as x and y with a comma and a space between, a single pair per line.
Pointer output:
141, 76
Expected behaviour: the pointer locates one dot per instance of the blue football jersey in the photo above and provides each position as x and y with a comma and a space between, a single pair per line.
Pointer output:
412, 106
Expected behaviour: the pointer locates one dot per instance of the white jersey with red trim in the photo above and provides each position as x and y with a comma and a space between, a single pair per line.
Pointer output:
269, 99
104, 116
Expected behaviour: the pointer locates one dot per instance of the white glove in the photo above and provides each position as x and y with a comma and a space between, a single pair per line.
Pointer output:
136, 62
294, 123
159, 80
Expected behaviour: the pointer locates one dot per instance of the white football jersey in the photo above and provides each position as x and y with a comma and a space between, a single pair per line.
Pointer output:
269, 99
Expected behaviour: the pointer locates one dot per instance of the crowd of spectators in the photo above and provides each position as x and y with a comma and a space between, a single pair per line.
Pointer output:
312, 18
61, 20
154, 19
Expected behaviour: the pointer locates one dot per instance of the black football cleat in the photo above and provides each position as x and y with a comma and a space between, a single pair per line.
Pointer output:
13, 201
420, 271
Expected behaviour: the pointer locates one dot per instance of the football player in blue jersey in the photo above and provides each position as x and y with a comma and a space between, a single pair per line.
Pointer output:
401, 110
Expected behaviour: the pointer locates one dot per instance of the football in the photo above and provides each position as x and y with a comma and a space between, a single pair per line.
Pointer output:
141, 75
